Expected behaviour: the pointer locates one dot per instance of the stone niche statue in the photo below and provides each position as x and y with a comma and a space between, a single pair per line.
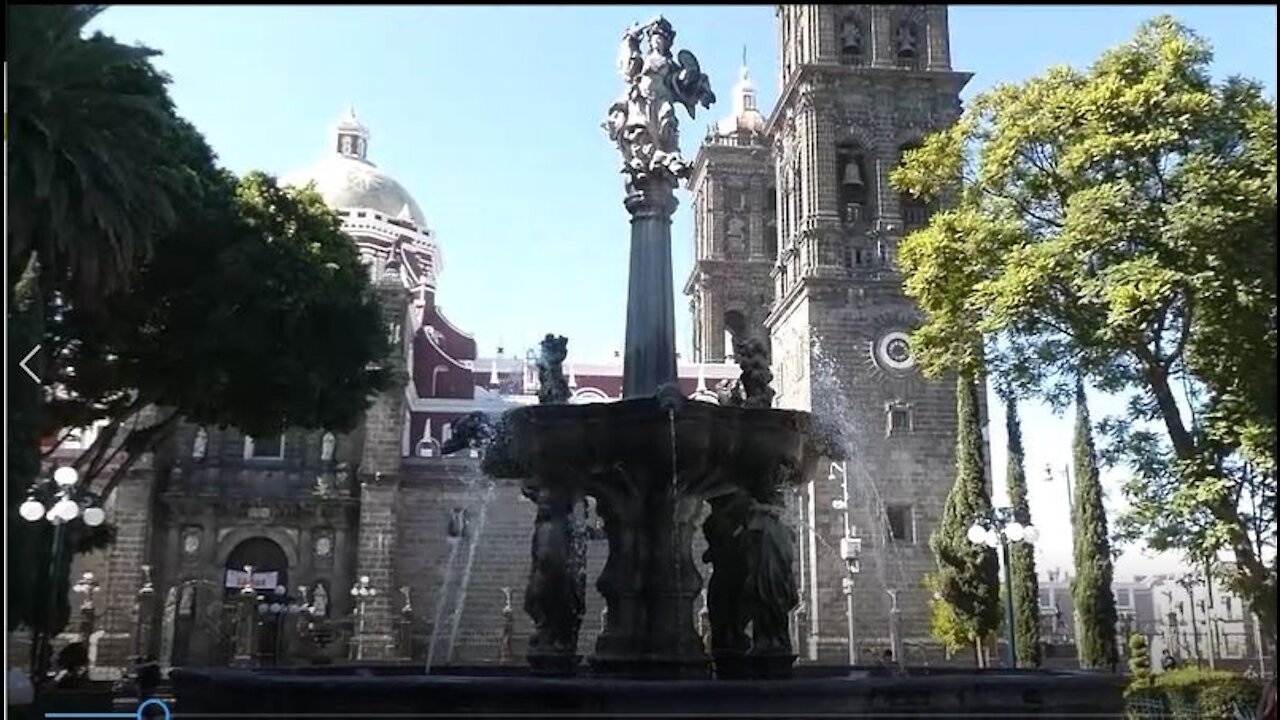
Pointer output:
552, 385
327, 445
643, 121
200, 447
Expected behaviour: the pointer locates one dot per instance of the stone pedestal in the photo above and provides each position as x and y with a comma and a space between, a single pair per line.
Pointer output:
650, 355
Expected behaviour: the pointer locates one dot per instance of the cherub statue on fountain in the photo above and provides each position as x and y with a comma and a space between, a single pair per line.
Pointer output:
753, 358
552, 386
643, 121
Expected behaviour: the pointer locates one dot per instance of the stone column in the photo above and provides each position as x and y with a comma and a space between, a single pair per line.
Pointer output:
380, 462
882, 54
375, 628
649, 581
938, 37
650, 360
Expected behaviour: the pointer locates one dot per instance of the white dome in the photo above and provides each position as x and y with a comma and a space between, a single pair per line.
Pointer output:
348, 181
746, 116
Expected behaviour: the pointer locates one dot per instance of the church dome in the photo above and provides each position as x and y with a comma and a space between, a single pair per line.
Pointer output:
746, 117
348, 181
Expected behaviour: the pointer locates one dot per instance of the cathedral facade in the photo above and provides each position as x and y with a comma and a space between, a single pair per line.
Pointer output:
309, 547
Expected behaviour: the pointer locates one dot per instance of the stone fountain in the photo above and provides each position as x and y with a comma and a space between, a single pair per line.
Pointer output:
650, 461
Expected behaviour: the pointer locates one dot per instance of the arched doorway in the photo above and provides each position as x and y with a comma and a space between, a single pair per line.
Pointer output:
263, 564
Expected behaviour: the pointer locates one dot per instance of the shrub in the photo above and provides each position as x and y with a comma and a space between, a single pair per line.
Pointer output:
1140, 660
1193, 693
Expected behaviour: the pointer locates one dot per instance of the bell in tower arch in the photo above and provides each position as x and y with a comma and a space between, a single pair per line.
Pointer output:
851, 175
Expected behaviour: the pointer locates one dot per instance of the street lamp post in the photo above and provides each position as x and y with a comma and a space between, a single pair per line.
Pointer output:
362, 591
996, 529
850, 552
65, 504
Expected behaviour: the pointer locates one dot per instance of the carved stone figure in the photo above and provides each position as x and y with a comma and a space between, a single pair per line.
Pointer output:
320, 600
770, 592
753, 358
552, 385
643, 121
201, 445
327, 445
729, 393
726, 552
473, 430
554, 598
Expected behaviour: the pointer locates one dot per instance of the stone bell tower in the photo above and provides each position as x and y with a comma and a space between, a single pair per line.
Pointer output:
735, 234
859, 85
380, 473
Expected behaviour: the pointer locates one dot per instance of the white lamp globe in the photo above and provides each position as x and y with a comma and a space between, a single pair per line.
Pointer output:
94, 516
31, 510
993, 539
66, 510
65, 476
1031, 534
977, 534
1014, 531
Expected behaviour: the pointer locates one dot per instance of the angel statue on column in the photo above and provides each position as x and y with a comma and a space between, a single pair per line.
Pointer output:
643, 121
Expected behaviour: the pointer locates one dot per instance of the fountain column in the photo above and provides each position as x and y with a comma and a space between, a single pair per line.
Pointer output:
650, 357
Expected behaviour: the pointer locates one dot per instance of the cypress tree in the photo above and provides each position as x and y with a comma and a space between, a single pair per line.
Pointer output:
1026, 588
1091, 594
967, 573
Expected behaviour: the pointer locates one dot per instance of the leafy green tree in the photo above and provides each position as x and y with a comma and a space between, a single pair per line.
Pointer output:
259, 316
967, 576
1022, 559
1091, 594
1120, 223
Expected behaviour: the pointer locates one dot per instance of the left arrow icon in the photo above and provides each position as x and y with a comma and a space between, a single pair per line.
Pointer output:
23, 363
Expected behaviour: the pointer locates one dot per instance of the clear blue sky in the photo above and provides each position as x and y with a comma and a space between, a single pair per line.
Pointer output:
490, 117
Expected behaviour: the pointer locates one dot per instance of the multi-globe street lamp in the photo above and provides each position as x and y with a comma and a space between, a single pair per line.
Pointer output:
996, 529
363, 591
58, 502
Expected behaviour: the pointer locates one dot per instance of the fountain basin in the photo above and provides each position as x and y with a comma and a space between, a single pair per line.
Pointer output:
714, 448
916, 692
650, 463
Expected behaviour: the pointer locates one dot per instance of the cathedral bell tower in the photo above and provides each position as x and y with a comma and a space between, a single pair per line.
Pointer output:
735, 235
859, 85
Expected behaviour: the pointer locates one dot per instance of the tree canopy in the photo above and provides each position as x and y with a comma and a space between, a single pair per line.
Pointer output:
1119, 223
259, 316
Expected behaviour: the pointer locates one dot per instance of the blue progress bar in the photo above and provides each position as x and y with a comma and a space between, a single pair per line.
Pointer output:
164, 709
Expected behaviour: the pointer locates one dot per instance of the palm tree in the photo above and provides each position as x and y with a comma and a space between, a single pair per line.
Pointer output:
89, 183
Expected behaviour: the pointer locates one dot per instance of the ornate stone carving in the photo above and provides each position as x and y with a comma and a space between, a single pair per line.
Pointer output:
726, 552
555, 598
552, 385
753, 358
770, 592
643, 121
